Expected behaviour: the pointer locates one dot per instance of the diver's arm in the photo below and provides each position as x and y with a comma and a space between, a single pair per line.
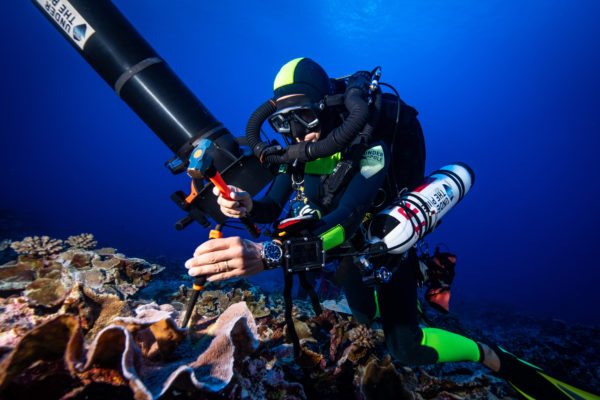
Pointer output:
264, 210
239, 204
343, 222
268, 208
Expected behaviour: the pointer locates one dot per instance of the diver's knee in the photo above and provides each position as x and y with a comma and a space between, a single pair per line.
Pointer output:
405, 346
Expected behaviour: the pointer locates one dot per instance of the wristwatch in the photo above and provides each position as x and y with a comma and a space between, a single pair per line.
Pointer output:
272, 254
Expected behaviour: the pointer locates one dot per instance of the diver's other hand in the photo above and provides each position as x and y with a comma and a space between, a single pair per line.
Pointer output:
296, 151
239, 205
359, 84
226, 258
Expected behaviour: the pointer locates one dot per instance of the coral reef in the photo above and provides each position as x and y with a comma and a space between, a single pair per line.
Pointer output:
74, 326
84, 241
219, 296
48, 282
38, 247
93, 286
114, 356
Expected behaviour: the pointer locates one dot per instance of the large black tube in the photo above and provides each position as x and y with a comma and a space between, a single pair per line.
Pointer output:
121, 56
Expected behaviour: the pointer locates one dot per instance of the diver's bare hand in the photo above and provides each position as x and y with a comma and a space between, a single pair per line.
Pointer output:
226, 258
239, 205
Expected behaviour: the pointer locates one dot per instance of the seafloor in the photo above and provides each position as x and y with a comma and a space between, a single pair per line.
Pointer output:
78, 322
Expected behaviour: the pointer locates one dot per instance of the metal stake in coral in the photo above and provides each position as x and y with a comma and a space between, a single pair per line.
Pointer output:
201, 166
199, 282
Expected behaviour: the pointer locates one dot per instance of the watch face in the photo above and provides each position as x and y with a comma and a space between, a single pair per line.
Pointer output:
273, 252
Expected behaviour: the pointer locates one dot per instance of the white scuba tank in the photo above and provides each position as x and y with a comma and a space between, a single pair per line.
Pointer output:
417, 213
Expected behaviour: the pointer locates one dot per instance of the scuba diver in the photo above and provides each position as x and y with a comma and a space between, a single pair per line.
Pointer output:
351, 150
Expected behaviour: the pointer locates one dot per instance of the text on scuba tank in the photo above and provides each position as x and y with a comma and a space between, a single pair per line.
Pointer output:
439, 200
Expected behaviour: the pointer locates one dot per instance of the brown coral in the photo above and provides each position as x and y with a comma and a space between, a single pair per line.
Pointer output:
214, 302
106, 251
84, 241
361, 336
49, 282
38, 247
378, 379
48, 292
138, 270
15, 276
154, 329
114, 357
100, 309
78, 258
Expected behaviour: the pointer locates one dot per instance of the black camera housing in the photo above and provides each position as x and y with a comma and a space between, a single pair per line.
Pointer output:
303, 254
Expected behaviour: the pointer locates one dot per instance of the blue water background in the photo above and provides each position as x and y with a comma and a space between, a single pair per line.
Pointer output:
509, 87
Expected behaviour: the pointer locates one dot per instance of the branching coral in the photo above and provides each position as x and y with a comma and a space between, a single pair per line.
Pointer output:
38, 247
84, 241
361, 336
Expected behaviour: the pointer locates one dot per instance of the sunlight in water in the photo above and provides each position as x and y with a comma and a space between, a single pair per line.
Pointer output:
354, 19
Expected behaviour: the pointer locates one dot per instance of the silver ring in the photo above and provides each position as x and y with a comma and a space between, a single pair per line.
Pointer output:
227, 265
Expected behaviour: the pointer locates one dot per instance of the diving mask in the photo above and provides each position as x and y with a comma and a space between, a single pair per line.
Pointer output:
282, 121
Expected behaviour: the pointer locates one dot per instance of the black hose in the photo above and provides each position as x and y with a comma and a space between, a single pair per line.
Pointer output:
341, 137
369, 129
254, 125
337, 140
394, 138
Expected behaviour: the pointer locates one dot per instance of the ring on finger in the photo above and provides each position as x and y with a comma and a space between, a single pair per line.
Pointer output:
227, 265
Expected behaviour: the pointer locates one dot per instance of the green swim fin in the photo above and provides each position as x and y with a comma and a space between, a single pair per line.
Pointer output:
532, 383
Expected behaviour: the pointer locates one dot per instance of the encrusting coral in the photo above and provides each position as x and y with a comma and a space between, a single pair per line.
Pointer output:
84, 241
38, 247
